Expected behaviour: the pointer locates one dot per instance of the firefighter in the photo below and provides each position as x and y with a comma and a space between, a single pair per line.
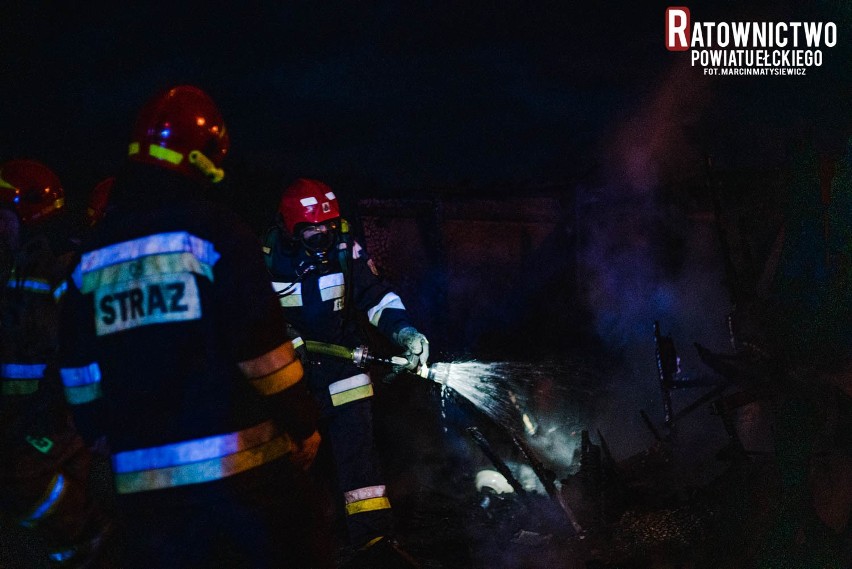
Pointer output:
45, 466
173, 349
322, 275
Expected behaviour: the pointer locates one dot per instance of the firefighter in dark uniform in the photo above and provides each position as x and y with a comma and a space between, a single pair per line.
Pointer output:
45, 464
320, 274
173, 347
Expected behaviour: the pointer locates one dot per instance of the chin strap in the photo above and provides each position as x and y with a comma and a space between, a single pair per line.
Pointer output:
200, 161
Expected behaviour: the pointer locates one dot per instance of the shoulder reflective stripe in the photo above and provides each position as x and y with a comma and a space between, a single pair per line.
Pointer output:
31, 285
132, 148
175, 242
365, 493
297, 342
22, 371
82, 384
356, 251
157, 264
368, 505
390, 300
280, 380
203, 471
54, 493
77, 376
350, 389
331, 286
60, 290
19, 386
20, 379
162, 153
269, 362
176, 454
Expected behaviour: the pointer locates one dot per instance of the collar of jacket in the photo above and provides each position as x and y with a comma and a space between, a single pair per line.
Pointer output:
141, 186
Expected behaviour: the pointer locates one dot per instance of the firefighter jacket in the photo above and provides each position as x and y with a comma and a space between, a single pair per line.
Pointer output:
318, 304
31, 405
173, 344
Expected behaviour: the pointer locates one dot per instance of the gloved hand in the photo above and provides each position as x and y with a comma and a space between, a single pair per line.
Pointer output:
416, 347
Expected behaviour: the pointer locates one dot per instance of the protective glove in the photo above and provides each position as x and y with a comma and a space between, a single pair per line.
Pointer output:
416, 347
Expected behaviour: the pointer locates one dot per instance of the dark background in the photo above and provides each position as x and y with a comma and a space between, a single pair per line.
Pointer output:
452, 101
401, 98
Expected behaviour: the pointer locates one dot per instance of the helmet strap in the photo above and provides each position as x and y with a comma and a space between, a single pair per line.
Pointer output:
200, 161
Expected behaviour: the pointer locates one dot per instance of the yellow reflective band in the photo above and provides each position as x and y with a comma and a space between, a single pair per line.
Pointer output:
278, 381
157, 264
83, 394
351, 395
161, 153
202, 471
19, 387
268, 363
367, 505
133, 148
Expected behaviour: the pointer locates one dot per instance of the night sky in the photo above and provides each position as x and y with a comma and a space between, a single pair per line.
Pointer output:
406, 97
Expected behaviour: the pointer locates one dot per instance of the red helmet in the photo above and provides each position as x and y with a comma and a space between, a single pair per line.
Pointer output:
98, 200
31, 189
307, 201
181, 129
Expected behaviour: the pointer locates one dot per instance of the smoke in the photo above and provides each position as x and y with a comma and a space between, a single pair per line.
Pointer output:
644, 259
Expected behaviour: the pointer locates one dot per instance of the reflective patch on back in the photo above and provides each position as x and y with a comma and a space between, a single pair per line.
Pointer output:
157, 264
155, 299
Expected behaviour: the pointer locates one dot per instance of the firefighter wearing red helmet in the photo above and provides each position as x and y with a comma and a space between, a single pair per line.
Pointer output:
174, 349
45, 466
321, 276
32, 190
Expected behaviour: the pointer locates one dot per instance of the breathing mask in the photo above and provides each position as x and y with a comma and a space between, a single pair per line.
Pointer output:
318, 240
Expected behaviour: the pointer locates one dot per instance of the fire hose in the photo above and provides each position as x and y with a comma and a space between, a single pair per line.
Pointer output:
360, 355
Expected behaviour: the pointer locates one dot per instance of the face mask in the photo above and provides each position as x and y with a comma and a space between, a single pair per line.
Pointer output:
318, 241
319, 238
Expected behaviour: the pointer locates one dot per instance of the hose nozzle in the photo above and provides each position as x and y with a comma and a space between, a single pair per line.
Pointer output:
432, 373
